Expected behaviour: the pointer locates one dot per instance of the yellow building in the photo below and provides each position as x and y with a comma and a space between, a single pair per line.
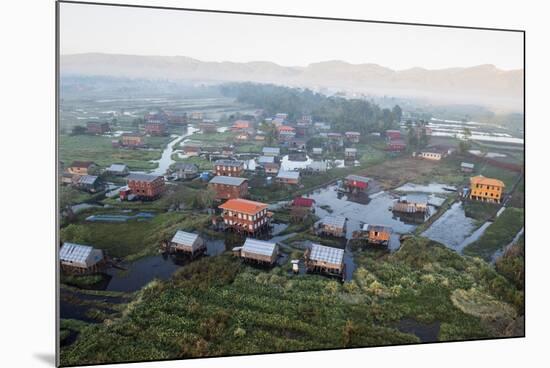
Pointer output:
486, 189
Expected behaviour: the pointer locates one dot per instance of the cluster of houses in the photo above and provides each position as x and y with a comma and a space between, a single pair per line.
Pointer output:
231, 187
83, 175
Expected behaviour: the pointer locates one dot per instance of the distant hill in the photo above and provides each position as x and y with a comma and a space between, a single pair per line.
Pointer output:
484, 84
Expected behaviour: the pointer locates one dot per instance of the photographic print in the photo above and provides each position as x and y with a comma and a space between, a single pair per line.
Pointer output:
233, 183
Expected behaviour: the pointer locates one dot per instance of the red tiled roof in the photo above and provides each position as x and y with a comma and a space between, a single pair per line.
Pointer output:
241, 124
285, 128
243, 206
303, 202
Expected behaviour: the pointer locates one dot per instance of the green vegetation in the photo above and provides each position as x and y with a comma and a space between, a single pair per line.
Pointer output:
100, 150
133, 238
480, 211
217, 306
202, 163
218, 138
344, 114
511, 264
498, 234
249, 147
508, 177
81, 281
69, 195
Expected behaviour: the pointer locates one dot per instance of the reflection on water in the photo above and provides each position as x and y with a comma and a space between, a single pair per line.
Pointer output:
377, 211
433, 188
452, 229
166, 159
426, 332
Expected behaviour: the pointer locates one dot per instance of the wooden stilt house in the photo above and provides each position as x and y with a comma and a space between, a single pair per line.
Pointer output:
323, 259
186, 242
258, 251
80, 259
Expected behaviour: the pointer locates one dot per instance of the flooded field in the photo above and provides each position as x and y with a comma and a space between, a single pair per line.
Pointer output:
376, 211
479, 131
453, 228
432, 188
75, 112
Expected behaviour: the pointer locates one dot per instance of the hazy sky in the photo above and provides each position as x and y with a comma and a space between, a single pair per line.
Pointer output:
285, 41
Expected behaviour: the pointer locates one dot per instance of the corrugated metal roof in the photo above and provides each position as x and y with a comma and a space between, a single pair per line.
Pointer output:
326, 254
72, 252
227, 180
379, 228
184, 238
229, 163
266, 159
185, 166
275, 150
336, 221
351, 150
87, 179
417, 198
259, 247
117, 167
467, 165
143, 177
295, 175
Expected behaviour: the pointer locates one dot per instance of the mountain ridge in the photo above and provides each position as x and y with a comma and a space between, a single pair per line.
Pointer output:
483, 84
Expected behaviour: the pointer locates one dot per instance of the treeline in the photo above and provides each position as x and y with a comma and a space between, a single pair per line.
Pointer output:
344, 114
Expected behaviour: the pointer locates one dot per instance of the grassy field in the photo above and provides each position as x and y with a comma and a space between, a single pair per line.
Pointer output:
202, 163
132, 239
498, 235
69, 195
480, 211
511, 263
217, 306
218, 138
99, 149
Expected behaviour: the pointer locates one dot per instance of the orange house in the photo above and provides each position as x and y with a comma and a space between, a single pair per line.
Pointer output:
245, 216
486, 189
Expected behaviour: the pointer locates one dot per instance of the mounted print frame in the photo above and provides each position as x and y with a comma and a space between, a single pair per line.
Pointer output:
234, 183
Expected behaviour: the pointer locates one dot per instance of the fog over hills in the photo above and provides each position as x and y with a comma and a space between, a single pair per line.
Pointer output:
483, 85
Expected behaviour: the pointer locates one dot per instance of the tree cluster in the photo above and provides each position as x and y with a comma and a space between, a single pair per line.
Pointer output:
344, 114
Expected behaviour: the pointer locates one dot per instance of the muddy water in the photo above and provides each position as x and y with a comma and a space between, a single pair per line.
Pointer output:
452, 228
